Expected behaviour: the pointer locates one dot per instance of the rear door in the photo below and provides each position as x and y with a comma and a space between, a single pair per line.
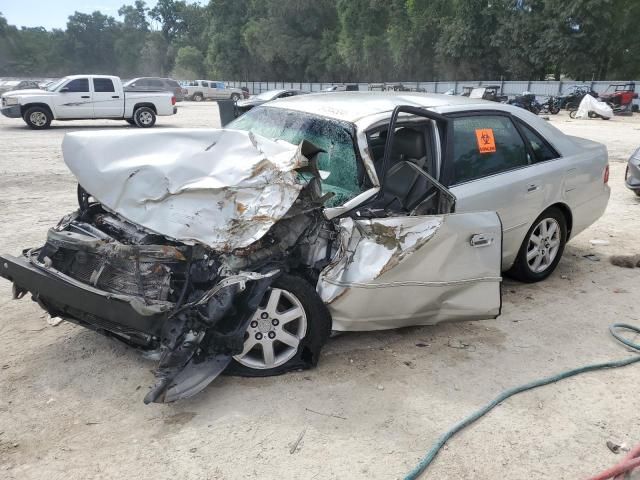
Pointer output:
108, 101
489, 170
218, 91
397, 266
74, 99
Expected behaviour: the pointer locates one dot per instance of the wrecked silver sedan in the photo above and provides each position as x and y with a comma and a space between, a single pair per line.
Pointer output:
239, 250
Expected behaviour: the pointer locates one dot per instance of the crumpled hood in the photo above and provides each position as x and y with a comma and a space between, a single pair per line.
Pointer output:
222, 188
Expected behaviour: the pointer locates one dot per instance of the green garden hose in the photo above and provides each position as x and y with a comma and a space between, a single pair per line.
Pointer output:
613, 329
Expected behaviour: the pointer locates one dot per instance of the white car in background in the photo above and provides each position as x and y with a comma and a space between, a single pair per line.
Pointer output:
199, 90
86, 97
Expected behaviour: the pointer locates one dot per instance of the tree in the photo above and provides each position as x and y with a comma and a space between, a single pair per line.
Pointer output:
227, 55
189, 63
89, 42
133, 33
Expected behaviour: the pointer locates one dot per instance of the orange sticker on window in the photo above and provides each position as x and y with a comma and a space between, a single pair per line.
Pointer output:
486, 142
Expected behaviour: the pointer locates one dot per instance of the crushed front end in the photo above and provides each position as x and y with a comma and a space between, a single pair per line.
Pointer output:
187, 302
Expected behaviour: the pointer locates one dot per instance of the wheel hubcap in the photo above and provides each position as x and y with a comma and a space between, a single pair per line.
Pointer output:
145, 118
275, 331
38, 118
543, 245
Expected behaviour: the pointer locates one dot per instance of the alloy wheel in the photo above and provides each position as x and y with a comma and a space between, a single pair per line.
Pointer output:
145, 118
543, 245
274, 332
39, 119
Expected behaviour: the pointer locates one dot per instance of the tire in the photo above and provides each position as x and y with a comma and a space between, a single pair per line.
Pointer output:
38, 118
144, 117
235, 97
130, 121
197, 97
573, 113
528, 270
555, 110
310, 330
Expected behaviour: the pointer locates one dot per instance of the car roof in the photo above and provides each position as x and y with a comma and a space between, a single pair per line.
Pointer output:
353, 106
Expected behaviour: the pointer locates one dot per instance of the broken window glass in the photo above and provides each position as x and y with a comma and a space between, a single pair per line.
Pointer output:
339, 166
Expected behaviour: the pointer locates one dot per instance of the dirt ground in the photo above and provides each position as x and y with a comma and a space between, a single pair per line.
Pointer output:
71, 400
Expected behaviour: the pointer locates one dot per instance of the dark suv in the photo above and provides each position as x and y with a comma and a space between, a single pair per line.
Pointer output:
155, 84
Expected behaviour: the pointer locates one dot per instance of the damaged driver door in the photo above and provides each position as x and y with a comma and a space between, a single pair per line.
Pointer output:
406, 258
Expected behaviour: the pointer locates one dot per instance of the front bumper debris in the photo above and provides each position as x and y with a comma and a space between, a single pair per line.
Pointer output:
63, 296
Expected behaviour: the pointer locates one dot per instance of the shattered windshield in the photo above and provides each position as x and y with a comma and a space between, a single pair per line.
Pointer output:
339, 166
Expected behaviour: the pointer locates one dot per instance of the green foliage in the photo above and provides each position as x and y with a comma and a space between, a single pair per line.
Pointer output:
189, 63
338, 40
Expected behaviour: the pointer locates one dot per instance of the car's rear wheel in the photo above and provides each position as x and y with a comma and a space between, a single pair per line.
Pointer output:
286, 332
542, 247
38, 118
235, 97
144, 117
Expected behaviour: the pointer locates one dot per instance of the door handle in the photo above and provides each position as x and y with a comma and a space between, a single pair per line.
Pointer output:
115, 96
481, 240
85, 96
533, 187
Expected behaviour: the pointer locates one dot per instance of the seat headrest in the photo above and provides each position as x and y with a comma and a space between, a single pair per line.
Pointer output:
409, 143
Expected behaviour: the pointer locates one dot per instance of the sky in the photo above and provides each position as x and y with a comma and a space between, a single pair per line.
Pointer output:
53, 13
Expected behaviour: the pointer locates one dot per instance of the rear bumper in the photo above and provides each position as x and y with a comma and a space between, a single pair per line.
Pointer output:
12, 111
65, 297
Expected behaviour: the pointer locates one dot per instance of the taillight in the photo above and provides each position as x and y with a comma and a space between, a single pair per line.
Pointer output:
606, 174
173, 100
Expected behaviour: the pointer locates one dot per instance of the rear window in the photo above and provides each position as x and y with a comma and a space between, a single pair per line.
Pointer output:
172, 83
103, 85
541, 149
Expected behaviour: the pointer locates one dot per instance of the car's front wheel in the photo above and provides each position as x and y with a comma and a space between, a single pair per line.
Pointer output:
38, 118
286, 332
197, 97
542, 247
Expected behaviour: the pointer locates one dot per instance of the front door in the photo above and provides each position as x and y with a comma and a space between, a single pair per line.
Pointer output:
416, 270
404, 258
74, 99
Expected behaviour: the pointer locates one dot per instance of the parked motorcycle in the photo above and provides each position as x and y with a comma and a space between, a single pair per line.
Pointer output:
552, 106
527, 101
576, 93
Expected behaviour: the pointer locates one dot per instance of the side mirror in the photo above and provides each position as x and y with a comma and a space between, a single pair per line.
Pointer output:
64, 90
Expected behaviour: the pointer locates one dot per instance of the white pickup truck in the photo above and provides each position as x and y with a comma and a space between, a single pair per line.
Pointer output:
199, 90
84, 97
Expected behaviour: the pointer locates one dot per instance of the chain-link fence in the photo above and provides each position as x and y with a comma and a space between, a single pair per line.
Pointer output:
542, 88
